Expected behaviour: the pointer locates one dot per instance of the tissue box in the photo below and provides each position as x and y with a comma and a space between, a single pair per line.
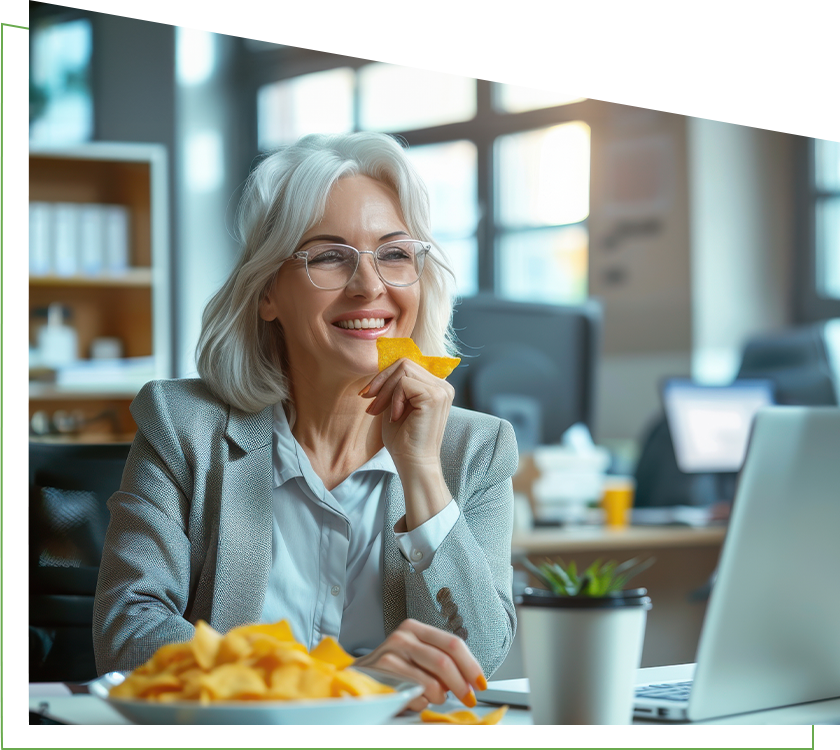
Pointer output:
569, 480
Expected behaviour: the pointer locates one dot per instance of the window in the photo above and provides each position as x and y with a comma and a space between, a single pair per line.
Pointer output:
509, 98
817, 253
543, 201
507, 167
317, 102
394, 98
449, 171
827, 218
60, 102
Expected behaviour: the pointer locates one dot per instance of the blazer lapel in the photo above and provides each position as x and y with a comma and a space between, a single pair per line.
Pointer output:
393, 563
244, 551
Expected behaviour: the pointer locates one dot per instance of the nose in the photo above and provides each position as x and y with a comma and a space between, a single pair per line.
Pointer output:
365, 282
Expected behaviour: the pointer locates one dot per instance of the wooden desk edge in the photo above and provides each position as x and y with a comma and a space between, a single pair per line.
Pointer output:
585, 539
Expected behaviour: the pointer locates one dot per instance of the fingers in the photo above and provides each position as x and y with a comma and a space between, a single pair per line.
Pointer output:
419, 704
448, 657
433, 690
432, 661
438, 660
400, 385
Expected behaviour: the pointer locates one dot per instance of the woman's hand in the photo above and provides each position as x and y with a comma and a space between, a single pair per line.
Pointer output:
438, 660
414, 405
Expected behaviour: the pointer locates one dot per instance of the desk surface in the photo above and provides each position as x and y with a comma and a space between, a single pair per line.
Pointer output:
86, 709
597, 538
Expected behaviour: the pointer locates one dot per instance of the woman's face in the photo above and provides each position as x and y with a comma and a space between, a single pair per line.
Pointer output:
363, 213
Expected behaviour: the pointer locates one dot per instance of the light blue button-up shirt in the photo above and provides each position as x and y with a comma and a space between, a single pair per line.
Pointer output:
326, 547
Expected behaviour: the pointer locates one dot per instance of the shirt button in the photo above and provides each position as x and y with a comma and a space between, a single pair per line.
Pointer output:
335, 590
416, 555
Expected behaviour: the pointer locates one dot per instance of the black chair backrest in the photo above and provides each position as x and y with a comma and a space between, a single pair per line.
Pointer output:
659, 481
796, 361
69, 485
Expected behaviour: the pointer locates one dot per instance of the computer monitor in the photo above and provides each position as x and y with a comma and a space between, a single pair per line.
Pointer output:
532, 364
710, 425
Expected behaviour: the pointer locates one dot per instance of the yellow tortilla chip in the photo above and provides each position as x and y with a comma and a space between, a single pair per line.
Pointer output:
171, 655
280, 631
392, 349
316, 683
358, 683
146, 686
234, 681
463, 717
330, 651
205, 644
234, 646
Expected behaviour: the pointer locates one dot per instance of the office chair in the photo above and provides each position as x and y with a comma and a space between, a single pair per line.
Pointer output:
69, 484
659, 481
797, 361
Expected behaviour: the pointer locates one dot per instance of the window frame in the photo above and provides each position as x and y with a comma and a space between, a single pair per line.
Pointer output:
272, 65
810, 306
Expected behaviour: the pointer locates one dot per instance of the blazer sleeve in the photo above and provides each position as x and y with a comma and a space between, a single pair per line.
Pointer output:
144, 578
467, 589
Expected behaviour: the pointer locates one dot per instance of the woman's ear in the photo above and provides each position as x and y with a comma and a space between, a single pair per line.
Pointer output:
267, 309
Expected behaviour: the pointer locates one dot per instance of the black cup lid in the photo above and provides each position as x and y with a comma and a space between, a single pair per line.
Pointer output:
542, 598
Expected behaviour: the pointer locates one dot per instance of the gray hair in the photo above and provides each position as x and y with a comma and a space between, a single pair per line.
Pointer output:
241, 357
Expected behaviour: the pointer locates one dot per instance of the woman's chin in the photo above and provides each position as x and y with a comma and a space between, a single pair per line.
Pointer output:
356, 370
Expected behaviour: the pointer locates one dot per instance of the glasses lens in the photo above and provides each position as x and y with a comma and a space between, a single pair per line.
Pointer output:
401, 263
331, 266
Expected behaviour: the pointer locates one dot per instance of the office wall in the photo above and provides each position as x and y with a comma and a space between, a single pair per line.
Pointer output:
692, 233
640, 263
210, 166
742, 235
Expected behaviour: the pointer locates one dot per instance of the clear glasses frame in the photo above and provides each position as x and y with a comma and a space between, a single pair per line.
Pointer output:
305, 255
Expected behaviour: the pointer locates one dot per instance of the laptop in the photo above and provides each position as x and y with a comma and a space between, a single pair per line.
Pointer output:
771, 635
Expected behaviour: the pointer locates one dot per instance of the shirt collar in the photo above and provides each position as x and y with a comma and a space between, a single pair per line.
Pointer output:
286, 461
289, 455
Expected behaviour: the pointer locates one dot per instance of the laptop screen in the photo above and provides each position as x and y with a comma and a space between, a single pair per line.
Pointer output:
710, 425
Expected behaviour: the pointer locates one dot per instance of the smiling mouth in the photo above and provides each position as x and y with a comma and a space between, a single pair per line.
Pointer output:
362, 323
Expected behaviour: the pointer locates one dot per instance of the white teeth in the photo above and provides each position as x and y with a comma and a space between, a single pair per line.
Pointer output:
362, 323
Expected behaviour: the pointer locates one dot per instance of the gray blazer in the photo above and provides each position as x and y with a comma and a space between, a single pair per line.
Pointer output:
190, 531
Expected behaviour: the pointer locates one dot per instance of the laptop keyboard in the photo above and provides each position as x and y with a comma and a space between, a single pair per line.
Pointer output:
669, 691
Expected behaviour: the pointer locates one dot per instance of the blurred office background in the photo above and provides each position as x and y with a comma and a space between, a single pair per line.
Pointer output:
693, 235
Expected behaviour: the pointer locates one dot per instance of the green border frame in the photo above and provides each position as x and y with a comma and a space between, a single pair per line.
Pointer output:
763, 64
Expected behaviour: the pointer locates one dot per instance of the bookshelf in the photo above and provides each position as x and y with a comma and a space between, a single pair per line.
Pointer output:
128, 302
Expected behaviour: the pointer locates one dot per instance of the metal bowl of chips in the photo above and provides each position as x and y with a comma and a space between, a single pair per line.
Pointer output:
367, 709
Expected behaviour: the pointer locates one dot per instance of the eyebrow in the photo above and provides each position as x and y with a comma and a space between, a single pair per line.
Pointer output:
343, 241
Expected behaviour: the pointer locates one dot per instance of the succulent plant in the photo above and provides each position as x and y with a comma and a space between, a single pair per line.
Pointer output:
599, 579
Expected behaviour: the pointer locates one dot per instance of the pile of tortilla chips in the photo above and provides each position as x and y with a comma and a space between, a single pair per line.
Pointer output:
251, 662
392, 349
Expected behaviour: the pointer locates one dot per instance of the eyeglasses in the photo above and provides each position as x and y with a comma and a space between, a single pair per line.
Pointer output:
332, 266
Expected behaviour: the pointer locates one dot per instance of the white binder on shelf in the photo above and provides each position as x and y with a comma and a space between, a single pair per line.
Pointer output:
116, 228
65, 236
40, 263
91, 239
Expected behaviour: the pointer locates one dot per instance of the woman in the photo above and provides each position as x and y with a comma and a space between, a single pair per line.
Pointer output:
293, 480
